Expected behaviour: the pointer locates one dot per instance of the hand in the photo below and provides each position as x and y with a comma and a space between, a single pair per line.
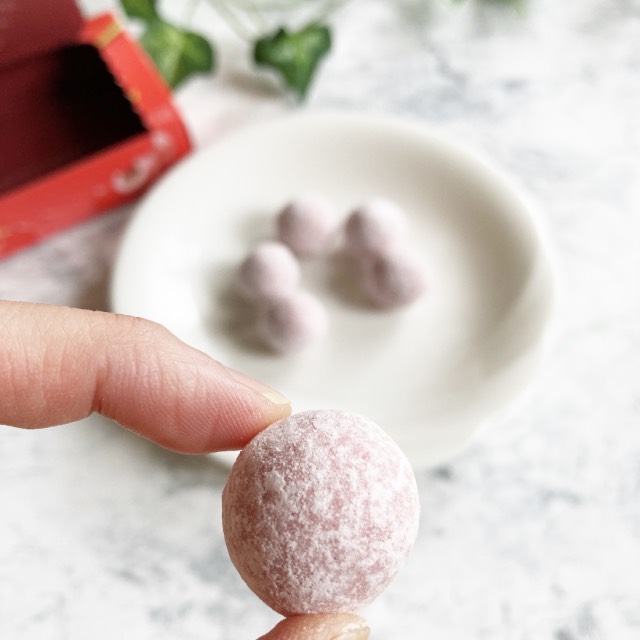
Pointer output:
58, 365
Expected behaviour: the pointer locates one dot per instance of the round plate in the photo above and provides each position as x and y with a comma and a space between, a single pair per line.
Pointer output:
428, 374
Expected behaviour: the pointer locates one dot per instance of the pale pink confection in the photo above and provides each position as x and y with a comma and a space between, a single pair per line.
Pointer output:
374, 227
319, 512
292, 322
394, 279
308, 226
269, 271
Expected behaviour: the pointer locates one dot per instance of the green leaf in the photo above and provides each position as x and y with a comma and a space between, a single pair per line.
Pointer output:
513, 3
143, 9
177, 53
295, 55
516, 4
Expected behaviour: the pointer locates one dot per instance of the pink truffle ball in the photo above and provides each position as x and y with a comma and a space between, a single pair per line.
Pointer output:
394, 280
269, 271
308, 226
292, 322
374, 227
319, 512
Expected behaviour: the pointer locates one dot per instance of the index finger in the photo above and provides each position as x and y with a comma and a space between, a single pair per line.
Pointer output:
59, 364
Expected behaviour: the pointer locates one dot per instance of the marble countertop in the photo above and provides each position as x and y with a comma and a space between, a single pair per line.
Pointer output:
534, 532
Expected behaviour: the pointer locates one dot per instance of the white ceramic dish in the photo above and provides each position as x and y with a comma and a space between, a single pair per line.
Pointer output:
430, 374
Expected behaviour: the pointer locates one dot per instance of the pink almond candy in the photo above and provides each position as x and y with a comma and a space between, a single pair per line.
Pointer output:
293, 322
308, 226
319, 512
374, 227
269, 271
393, 280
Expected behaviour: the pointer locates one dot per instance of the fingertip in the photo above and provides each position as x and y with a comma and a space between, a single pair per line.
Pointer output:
273, 405
333, 626
251, 406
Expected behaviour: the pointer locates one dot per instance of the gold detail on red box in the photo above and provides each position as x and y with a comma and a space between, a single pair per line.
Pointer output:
107, 35
134, 95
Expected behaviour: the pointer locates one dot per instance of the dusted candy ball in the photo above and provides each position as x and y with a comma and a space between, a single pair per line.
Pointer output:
394, 280
319, 512
292, 322
308, 226
269, 271
374, 227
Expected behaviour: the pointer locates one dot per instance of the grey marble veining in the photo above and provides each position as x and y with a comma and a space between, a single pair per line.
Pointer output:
534, 532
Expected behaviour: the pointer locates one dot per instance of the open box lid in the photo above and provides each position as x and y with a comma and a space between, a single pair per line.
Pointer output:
32, 27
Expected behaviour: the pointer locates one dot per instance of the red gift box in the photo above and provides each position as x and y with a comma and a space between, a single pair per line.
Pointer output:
86, 122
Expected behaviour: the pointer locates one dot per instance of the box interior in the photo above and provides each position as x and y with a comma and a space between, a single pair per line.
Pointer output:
58, 107
32, 27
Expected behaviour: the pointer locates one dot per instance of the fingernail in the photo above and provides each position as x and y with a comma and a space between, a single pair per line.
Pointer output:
276, 397
273, 396
354, 631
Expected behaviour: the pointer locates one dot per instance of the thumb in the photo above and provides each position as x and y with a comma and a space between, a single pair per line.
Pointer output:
59, 364
335, 626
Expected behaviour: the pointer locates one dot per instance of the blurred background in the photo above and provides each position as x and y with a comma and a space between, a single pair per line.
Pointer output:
532, 532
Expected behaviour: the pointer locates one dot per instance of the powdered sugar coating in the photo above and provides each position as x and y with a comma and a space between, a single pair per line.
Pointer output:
269, 271
374, 227
394, 280
319, 512
292, 322
308, 225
